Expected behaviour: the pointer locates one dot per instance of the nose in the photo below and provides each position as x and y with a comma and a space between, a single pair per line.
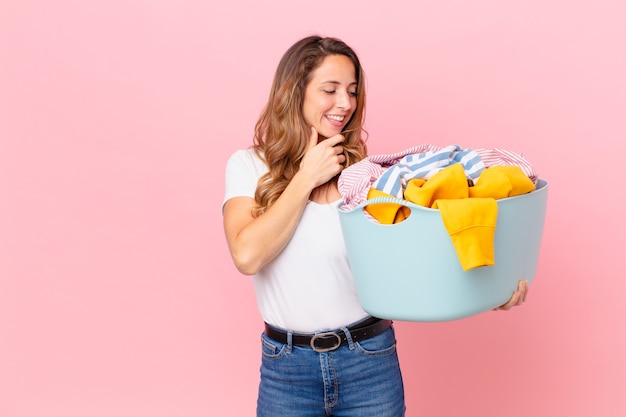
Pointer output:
344, 100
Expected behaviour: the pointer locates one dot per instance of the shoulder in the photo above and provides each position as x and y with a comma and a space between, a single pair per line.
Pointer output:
243, 170
246, 159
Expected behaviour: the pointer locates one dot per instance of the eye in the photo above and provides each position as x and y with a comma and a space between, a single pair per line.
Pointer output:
354, 93
329, 91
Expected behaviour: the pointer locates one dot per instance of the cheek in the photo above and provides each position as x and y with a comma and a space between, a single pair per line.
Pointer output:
307, 114
314, 109
354, 101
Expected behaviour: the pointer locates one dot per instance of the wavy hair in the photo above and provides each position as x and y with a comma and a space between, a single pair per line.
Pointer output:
281, 134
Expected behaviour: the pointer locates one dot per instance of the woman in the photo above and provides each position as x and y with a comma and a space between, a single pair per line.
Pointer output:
321, 353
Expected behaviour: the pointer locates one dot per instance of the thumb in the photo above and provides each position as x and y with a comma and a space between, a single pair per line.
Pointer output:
313, 138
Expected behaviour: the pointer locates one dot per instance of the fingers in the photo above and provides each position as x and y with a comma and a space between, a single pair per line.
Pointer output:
333, 141
518, 298
328, 147
523, 286
522, 292
323, 159
512, 302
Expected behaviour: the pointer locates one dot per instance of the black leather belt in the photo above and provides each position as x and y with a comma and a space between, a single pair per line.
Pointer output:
327, 341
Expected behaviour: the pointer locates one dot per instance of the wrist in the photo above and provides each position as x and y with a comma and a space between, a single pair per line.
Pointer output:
303, 181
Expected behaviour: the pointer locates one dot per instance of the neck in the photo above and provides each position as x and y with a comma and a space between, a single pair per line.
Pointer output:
325, 193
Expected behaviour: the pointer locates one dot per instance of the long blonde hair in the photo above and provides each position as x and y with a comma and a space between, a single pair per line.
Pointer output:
281, 134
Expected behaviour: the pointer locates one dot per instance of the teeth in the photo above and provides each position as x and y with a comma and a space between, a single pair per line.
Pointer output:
337, 118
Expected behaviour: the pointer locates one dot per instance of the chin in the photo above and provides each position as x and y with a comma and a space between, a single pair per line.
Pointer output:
329, 133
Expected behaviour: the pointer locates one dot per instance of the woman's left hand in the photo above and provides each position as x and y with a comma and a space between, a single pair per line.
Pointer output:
518, 297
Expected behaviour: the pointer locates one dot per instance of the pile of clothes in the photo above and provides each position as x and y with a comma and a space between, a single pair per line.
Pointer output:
463, 184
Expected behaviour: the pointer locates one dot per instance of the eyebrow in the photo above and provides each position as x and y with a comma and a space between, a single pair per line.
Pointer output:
337, 82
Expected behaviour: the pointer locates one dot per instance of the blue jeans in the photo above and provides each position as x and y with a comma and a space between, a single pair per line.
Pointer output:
358, 379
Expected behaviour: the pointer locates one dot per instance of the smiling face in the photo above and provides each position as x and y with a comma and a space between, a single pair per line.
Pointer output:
330, 97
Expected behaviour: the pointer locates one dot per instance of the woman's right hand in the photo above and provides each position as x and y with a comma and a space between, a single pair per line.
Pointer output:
322, 160
255, 241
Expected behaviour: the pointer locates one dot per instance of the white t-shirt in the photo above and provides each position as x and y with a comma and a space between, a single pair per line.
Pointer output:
308, 287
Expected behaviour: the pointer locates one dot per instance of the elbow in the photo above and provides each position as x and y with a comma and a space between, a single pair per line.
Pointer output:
246, 269
247, 265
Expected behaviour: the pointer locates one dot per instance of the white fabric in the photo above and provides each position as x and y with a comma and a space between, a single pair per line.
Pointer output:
308, 287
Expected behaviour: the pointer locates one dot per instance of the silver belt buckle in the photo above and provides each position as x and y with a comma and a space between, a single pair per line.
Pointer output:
324, 336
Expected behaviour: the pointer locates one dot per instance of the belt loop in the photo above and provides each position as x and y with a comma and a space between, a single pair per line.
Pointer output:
289, 342
348, 337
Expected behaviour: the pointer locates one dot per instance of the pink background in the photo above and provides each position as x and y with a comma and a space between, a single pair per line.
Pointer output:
117, 293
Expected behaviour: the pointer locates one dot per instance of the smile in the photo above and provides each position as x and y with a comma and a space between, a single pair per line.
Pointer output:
335, 118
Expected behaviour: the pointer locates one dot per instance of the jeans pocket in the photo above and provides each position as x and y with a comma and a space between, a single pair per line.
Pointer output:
272, 349
382, 345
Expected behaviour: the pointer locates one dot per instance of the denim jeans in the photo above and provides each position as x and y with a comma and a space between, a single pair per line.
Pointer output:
358, 379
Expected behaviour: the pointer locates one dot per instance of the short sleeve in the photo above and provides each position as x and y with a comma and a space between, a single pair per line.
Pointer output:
243, 170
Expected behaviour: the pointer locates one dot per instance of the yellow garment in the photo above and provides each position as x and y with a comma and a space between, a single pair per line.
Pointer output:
471, 224
450, 183
501, 182
386, 213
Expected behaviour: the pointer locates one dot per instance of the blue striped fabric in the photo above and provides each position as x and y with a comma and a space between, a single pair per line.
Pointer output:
425, 165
